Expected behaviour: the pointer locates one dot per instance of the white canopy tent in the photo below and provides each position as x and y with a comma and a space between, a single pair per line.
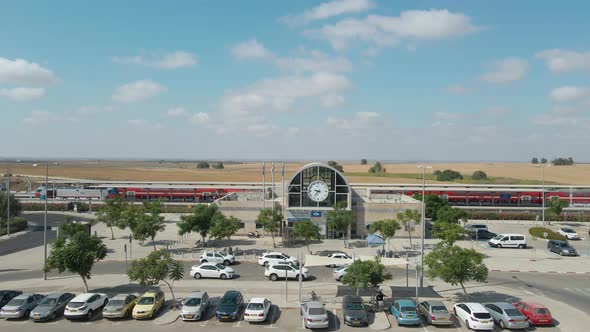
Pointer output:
315, 260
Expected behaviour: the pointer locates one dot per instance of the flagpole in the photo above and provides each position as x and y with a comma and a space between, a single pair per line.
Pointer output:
263, 185
272, 188
283, 198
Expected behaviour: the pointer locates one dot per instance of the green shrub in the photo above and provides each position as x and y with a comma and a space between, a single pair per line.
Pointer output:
17, 224
449, 175
551, 235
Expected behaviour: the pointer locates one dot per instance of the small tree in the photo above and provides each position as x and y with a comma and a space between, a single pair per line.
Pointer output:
449, 233
75, 251
386, 227
202, 165
377, 168
111, 214
224, 227
157, 266
543, 160
479, 176
307, 230
452, 215
218, 165
556, 206
147, 226
455, 265
363, 161
449, 175
339, 219
15, 206
535, 160
336, 165
199, 221
408, 218
365, 274
270, 221
432, 203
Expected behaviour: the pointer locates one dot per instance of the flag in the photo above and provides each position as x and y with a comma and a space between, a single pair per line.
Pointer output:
263, 166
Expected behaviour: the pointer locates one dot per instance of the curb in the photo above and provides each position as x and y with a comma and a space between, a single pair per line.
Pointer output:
160, 320
534, 271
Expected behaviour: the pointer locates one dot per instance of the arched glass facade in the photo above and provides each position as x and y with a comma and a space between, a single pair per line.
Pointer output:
322, 178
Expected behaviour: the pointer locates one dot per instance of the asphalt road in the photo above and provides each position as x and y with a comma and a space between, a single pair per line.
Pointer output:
34, 236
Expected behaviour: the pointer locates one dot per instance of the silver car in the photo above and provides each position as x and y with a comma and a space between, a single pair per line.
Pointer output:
20, 306
194, 306
506, 315
315, 315
51, 307
435, 313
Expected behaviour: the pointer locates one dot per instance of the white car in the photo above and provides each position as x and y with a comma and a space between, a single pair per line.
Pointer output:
339, 272
272, 258
474, 315
338, 255
85, 305
257, 310
210, 270
194, 306
217, 257
569, 233
279, 271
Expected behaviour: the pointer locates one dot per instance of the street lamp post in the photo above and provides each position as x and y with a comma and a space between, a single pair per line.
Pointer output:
7, 198
423, 167
45, 220
543, 190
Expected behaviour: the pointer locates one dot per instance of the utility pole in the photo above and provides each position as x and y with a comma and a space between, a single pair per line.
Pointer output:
7, 198
423, 167
272, 187
543, 190
263, 185
45, 222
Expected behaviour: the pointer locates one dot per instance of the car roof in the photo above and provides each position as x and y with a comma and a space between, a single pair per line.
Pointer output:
436, 303
273, 253
24, 296
501, 305
257, 300
533, 304
352, 298
56, 295
7, 291
474, 306
83, 297
231, 294
119, 297
559, 241
405, 302
196, 294
510, 234
567, 228
314, 304
149, 293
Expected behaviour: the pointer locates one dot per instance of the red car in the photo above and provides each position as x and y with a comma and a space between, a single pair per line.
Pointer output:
536, 313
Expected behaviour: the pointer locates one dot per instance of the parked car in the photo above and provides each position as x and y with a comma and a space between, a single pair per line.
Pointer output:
474, 316
569, 233
120, 306
194, 306
20, 306
508, 241
561, 248
279, 271
217, 257
338, 255
339, 272
482, 234
148, 305
404, 311
435, 313
257, 310
506, 315
271, 258
212, 270
354, 311
474, 227
85, 305
228, 308
51, 307
536, 313
7, 295
314, 315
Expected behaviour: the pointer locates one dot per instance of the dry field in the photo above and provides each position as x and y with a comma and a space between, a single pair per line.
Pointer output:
246, 172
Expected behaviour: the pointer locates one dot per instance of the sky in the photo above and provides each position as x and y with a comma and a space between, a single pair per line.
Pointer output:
424, 80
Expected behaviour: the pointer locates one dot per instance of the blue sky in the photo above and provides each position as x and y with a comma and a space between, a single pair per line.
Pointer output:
341, 79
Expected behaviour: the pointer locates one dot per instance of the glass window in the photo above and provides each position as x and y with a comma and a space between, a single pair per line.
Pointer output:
145, 301
192, 302
255, 306
317, 311
482, 315
541, 311
439, 310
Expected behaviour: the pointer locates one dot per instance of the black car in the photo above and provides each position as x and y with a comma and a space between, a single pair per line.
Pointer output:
482, 234
7, 295
561, 248
354, 311
229, 306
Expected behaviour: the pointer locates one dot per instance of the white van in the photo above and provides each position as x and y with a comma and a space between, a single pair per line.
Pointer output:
508, 241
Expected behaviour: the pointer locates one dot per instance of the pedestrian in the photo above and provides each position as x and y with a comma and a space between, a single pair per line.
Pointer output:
379, 298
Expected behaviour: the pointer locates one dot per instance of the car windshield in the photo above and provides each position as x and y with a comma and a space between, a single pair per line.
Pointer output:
193, 301
512, 312
48, 302
16, 302
255, 306
116, 303
499, 237
228, 301
563, 244
317, 311
438, 310
408, 310
482, 315
541, 311
341, 268
220, 266
354, 306
146, 300
568, 230
75, 304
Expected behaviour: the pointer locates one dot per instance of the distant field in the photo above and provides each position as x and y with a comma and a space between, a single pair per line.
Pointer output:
499, 173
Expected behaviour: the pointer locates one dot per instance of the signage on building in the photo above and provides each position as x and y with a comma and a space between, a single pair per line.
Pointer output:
316, 214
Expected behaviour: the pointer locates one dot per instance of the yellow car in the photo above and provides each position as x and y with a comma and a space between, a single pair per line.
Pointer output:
148, 305
119, 306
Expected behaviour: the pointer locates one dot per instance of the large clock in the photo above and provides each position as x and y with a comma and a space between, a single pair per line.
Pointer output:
318, 191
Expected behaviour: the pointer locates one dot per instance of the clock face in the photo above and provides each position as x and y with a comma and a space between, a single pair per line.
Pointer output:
318, 191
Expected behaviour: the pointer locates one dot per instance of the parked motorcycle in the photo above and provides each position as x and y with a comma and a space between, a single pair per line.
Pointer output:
254, 234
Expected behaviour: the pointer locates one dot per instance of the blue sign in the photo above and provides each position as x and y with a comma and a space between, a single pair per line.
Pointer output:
316, 214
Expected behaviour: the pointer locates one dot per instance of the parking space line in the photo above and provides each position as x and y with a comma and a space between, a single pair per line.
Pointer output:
205, 324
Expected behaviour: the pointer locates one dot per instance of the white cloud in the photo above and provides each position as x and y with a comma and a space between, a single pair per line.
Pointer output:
458, 89
261, 129
506, 70
23, 94
446, 118
176, 112
411, 25
38, 118
20, 71
174, 60
314, 61
570, 94
144, 124
328, 10
137, 91
330, 101
198, 118
360, 120
251, 49
91, 110
561, 61
495, 111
